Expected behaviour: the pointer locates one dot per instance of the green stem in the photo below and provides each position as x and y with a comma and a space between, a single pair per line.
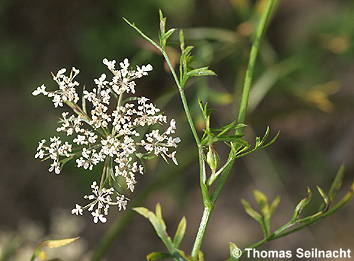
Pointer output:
209, 203
103, 176
241, 119
264, 20
222, 180
201, 232
285, 229
180, 87
183, 98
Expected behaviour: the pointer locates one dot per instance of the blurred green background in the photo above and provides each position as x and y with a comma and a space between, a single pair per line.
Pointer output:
303, 88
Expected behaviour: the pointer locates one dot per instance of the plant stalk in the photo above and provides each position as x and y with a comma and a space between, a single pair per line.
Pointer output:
261, 28
175, 77
264, 21
202, 228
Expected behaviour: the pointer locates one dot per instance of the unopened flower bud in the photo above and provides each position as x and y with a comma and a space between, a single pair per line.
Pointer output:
212, 159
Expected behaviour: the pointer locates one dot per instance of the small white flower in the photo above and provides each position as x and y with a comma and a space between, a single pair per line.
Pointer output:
110, 64
101, 82
39, 90
61, 72
55, 166
77, 210
97, 216
122, 202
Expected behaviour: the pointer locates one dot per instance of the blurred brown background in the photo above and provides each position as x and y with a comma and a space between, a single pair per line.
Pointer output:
303, 87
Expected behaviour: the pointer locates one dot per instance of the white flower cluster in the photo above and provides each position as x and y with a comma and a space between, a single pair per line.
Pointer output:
66, 91
107, 128
101, 200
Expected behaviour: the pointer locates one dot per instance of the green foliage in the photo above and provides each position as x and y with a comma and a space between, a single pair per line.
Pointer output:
185, 70
336, 184
266, 210
156, 220
239, 146
181, 229
297, 222
232, 135
163, 34
242, 148
204, 71
40, 254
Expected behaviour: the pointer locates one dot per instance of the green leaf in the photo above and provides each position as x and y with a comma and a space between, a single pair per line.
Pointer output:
186, 52
158, 224
162, 23
262, 202
271, 141
154, 220
204, 108
158, 210
142, 211
239, 148
39, 253
204, 71
235, 251
266, 134
302, 204
168, 33
260, 144
184, 61
250, 211
231, 126
337, 183
274, 205
325, 199
181, 229
58, 242
157, 256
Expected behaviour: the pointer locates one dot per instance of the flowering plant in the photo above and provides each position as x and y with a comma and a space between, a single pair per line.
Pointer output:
114, 137
110, 128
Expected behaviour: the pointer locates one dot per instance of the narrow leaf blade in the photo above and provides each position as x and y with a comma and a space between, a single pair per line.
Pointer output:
157, 256
58, 243
337, 183
204, 71
250, 211
181, 229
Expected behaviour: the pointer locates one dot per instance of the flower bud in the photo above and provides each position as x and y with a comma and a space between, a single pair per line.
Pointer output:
212, 159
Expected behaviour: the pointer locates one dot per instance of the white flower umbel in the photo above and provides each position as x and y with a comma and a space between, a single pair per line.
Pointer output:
109, 129
101, 200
